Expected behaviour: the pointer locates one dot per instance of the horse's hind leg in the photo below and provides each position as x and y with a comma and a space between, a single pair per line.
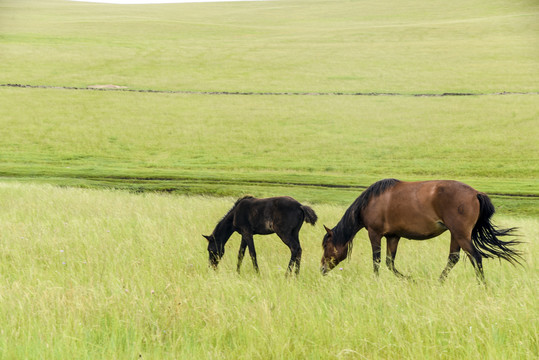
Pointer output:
292, 241
295, 258
465, 242
392, 244
454, 256
477, 262
296, 253
241, 253
460, 223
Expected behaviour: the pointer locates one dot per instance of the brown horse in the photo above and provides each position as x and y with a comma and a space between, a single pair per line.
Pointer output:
420, 211
249, 216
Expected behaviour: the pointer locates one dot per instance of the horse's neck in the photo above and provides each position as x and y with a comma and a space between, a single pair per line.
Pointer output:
349, 225
224, 228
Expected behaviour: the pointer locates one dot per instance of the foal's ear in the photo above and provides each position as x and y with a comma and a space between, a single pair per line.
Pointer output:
207, 237
328, 230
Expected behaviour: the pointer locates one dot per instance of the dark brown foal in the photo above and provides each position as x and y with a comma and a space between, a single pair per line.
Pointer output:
250, 216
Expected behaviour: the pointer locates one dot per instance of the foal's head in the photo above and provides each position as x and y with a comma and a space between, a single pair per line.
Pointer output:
334, 252
216, 250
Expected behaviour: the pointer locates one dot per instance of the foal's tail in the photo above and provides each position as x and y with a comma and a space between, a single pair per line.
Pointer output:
485, 235
310, 215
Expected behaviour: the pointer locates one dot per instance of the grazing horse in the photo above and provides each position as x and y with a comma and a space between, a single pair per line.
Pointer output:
420, 211
250, 216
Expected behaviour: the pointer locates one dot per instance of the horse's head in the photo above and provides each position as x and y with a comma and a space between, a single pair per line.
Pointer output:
334, 252
215, 250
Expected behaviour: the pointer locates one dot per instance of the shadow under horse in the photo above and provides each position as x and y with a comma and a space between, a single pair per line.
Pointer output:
418, 211
250, 216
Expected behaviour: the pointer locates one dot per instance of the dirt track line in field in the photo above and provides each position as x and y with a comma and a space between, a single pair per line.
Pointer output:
188, 92
174, 183
309, 185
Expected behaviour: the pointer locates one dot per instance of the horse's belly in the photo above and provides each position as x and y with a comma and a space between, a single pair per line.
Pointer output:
263, 228
263, 232
420, 233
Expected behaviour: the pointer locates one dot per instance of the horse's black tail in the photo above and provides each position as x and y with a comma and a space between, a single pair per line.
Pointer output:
485, 235
310, 215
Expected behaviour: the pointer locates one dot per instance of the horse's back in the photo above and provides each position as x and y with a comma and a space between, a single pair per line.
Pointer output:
271, 205
420, 210
434, 195
285, 211
265, 216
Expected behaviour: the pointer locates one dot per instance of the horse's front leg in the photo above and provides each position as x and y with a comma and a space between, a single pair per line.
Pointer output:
392, 244
241, 253
376, 250
248, 239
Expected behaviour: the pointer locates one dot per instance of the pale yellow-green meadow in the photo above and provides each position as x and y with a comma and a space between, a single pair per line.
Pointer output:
342, 93
111, 274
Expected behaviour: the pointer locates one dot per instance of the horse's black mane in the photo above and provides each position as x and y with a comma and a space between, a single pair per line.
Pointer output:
375, 190
351, 221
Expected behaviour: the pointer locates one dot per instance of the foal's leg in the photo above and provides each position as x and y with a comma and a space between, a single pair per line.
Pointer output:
454, 256
295, 257
392, 243
241, 253
298, 258
248, 239
292, 241
376, 250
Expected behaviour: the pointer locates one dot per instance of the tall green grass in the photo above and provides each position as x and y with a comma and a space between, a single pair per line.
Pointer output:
108, 274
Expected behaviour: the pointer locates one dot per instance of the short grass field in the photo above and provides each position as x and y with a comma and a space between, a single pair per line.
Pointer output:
105, 194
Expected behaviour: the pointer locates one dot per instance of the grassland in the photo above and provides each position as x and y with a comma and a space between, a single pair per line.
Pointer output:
302, 145
109, 274
269, 145
347, 46
87, 273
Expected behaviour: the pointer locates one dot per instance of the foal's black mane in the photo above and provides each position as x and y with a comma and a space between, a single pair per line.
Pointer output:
236, 204
352, 221
225, 224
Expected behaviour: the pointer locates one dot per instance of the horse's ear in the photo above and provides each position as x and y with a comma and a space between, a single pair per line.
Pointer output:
207, 237
328, 230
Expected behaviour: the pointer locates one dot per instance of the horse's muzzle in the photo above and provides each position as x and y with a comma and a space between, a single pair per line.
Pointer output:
323, 270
